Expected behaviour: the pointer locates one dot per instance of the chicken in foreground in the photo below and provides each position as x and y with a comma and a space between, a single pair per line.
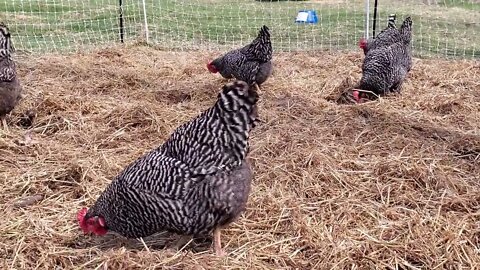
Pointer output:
252, 63
386, 37
10, 89
385, 68
197, 182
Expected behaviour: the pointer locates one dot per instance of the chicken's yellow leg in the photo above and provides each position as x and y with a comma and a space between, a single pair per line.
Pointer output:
217, 243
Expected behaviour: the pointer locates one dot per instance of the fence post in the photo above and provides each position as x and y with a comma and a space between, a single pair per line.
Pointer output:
145, 22
374, 17
120, 3
367, 17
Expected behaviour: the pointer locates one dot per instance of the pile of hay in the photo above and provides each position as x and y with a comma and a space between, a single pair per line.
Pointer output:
386, 184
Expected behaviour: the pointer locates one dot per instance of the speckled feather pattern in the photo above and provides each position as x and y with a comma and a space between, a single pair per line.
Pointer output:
386, 37
248, 63
197, 180
10, 89
385, 68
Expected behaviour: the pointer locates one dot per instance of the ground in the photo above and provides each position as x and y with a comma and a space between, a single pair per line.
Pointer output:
337, 186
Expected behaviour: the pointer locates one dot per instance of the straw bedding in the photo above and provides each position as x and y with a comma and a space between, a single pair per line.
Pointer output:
392, 184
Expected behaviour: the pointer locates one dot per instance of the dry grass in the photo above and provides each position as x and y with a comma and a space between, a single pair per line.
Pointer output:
387, 184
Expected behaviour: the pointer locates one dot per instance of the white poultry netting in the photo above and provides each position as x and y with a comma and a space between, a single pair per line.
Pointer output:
441, 28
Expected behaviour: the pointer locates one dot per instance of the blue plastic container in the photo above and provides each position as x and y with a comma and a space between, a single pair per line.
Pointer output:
307, 16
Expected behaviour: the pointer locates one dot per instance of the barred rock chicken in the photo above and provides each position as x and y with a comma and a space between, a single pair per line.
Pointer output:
196, 182
385, 68
10, 89
386, 37
251, 63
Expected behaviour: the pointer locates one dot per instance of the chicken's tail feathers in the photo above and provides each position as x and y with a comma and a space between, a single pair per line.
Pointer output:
407, 23
261, 48
406, 29
391, 20
264, 35
264, 32
236, 108
237, 95
238, 101
6, 46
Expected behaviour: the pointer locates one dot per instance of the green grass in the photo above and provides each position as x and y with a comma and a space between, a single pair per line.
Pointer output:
465, 4
450, 28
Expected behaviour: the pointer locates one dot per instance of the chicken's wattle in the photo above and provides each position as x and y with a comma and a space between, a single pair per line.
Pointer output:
81, 219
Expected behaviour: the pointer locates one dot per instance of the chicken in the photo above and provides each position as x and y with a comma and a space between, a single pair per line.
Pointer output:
385, 68
197, 182
251, 63
386, 37
10, 89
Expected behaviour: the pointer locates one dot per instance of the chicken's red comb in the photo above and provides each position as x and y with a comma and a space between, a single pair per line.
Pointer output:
211, 67
362, 42
81, 218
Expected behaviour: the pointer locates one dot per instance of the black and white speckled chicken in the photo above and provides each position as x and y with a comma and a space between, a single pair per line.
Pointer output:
10, 88
386, 37
252, 63
385, 68
197, 182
